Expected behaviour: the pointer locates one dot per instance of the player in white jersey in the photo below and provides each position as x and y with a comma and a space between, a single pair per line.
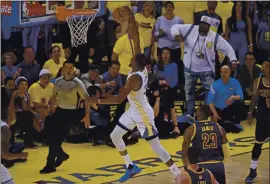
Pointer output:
139, 114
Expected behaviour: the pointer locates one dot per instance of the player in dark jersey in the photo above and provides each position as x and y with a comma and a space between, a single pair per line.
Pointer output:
261, 96
193, 173
211, 140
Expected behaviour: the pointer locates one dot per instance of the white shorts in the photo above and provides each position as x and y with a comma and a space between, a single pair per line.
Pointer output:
148, 130
5, 176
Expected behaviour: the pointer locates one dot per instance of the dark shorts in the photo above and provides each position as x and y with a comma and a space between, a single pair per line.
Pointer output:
217, 169
262, 128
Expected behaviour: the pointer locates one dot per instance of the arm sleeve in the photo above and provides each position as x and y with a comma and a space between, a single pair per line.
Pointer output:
157, 27
224, 47
211, 95
81, 89
238, 90
180, 29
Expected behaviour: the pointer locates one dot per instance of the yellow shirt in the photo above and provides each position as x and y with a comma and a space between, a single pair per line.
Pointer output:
53, 67
146, 26
225, 11
39, 94
124, 50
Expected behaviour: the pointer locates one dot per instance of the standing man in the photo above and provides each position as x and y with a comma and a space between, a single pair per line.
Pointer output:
66, 92
199, 56
211, 140
262, 96
225, 100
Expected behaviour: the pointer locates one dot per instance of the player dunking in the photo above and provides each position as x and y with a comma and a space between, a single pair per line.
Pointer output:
261, 94
139, 114
193, 173
212, 142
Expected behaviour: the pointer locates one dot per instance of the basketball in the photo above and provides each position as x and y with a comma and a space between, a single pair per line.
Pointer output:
120, 15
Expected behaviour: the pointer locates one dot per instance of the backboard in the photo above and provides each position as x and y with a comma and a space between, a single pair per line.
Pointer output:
27, 13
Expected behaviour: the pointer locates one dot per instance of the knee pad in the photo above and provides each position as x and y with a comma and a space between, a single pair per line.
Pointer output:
256, 151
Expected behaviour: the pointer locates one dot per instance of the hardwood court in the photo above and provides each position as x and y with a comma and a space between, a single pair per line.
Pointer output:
236, 171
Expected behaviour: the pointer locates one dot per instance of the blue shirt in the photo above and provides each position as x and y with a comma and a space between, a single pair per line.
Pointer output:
169, 74
220, 92
118, 80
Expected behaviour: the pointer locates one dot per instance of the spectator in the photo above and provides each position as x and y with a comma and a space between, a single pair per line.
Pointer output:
92, 78
158, 7
216, 20
9, 59
239, 31
146, 21
56, 62
40, 93
199, 58
166, 69
20, 103
165, 39
165, 116
225, 100
247, 74
30, 68
123, 51
263, 38
112, 76
6, 91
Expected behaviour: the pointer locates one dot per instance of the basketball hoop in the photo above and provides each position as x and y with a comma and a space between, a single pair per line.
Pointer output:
78, 21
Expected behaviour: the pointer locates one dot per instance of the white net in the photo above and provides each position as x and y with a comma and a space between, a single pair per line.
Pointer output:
78, 26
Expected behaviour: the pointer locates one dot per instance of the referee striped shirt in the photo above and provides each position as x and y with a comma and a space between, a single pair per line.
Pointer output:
69, 92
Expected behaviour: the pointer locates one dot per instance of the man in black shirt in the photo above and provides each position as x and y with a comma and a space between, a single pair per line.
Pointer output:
6, 91
216, 20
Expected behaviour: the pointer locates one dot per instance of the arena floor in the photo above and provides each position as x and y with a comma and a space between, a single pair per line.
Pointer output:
98, 165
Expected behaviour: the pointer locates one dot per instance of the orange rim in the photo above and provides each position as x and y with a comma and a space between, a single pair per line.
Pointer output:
62, 13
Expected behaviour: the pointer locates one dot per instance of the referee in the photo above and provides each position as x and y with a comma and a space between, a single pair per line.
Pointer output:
68, 91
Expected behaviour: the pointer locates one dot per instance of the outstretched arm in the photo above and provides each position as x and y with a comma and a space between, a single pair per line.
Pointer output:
186, 143
135, 31
132, 83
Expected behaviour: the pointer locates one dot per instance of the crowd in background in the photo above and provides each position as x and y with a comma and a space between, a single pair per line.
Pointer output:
31, 70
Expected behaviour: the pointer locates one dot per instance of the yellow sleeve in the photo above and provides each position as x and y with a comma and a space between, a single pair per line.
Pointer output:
119, 45
33, 95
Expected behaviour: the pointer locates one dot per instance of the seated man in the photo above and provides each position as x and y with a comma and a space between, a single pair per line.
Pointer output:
225, 100
247, 74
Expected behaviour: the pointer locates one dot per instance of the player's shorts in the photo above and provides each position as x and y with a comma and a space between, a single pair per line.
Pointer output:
262, 131
5, 176
217, 169
147, 130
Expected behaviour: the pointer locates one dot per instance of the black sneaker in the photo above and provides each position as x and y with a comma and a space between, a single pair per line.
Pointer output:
61, 159
47, 169
252, 176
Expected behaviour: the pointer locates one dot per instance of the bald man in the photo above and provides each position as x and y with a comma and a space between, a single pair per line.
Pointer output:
225, 100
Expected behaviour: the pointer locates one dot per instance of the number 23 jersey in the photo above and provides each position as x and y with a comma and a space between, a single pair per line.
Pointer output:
140, 110
208, 138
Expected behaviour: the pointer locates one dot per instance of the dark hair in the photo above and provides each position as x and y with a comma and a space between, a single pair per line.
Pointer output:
141, 60
169, 2
51, 49
92, 90
8, 78
232, 22
160, 62
115, 62
69, 61
193, 155
205, 111
28, 47
93, 67
250, 53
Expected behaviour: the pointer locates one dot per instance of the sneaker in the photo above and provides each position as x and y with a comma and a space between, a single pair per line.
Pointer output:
252, 176
47, 169
129, 173
61, 159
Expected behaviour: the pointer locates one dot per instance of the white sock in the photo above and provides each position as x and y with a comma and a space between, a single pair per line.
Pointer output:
174, 169
253, 164
127, 160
